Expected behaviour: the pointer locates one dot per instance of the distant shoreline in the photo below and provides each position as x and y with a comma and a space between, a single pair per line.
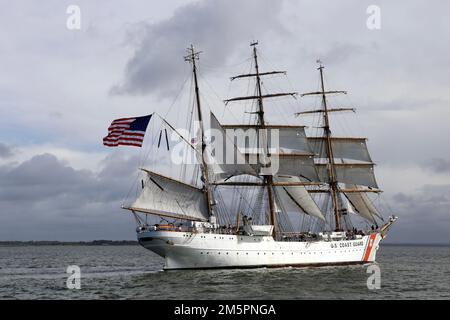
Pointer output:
69, 243
133, 242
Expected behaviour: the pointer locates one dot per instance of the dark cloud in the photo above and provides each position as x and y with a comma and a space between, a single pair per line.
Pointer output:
216, 27
423, 215
49, 196
6, 151
438, 165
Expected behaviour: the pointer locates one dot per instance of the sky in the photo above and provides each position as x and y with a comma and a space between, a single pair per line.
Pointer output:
60, 88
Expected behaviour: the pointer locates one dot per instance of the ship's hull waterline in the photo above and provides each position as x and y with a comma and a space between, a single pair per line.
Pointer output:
187, 250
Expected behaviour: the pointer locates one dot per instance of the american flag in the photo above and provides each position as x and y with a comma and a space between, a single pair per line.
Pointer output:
127, 132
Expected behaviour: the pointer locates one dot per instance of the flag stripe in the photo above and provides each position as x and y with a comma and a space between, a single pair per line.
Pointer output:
124, 138
123, 143
118, 134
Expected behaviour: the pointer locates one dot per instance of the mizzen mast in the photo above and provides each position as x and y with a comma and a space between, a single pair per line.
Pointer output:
191, 57
331, 166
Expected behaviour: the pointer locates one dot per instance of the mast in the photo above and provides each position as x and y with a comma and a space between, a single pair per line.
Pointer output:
191, 57
331, 168
268, 179
355, 175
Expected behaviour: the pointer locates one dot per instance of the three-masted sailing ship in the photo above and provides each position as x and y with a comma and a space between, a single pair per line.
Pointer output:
324, 180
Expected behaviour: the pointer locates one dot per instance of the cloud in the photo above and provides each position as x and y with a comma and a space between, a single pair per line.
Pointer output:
438, 165
218, 27
339, 52
55, 181
6, 151
423, 215
50, 196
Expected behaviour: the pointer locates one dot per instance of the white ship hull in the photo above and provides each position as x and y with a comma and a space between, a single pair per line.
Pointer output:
188, 250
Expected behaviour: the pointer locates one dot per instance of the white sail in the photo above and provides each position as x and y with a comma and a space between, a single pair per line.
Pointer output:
292, 165
287, 145
352, 173
226, 164
344, 148
350, 208
298, 196
362, 204
168, 197
281, 138
275, 188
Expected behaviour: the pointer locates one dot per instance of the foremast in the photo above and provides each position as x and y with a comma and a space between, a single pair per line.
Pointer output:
261, 127
191, 57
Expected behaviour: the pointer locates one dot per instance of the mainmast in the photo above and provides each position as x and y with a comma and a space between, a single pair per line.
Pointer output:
191, 57
268, 179
331, 168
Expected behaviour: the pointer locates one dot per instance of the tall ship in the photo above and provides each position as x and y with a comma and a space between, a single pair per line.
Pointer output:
269, 195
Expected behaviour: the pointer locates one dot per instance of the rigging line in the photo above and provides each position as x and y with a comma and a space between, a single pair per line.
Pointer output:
245, 200
189, 126
280, 110
208, 103
280, 88
141, 161
188, 76
211, 88
151, 145
181, 89
229, 86
251, 84
246, 103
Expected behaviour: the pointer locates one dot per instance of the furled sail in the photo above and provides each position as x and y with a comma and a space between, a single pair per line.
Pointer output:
362, 204
299, 196
167, 197
344, 148
351, 173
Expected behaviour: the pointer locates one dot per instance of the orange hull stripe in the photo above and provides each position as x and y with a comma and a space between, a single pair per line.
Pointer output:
369, 246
